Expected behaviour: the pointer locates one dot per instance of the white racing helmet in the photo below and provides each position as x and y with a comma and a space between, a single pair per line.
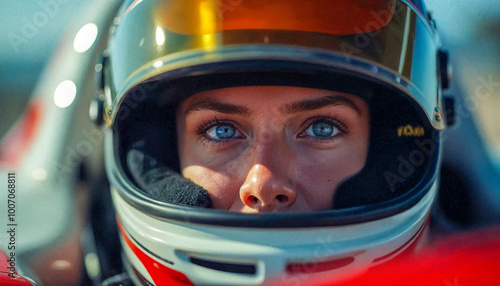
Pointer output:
162, 52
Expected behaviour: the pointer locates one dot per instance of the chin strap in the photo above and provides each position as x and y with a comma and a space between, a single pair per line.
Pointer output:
164, 184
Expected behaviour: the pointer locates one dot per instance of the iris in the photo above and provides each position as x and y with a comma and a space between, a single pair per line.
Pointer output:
321, 129
224, 131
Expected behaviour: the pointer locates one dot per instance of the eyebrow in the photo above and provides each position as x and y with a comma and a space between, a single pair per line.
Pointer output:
317, 103
295, 107
221, 107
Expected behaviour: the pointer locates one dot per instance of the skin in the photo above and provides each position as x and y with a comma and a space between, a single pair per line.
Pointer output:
272, 148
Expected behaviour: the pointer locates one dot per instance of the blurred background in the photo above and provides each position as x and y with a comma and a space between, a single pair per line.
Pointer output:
469, 29
30, 31
69, 157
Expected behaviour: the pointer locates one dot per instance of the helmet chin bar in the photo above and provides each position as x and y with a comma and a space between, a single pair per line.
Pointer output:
248, 256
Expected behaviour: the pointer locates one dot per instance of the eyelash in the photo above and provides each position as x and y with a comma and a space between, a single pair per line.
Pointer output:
330, 120
207, 125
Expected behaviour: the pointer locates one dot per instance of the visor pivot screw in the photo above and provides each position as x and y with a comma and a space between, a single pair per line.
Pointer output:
437, 115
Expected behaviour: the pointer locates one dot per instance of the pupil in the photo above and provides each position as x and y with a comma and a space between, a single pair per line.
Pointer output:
322, 129
225, 132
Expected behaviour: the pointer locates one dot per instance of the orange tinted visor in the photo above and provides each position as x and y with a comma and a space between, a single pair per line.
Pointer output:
318, 16
386, 39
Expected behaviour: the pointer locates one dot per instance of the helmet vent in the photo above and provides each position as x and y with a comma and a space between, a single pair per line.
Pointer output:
224, 266
318, 266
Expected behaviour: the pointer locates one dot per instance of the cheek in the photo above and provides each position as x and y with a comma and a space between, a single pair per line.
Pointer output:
320, 172
221, 186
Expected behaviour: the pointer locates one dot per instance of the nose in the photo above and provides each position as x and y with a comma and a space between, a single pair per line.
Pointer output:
267, 191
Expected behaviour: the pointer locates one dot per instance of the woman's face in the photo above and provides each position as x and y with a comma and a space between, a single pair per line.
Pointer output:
272, 148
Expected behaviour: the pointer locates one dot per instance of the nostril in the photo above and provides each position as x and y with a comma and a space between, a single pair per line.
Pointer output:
252, 200
282, 198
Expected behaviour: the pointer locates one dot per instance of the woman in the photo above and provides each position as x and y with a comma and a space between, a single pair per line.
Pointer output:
271, 148
254, 142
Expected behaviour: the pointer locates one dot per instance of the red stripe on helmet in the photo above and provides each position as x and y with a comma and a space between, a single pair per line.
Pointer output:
161, 274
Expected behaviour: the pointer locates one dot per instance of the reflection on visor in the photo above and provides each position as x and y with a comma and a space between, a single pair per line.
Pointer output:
324, 16
386, 34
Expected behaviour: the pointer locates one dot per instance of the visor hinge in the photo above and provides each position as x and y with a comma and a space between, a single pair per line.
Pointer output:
99, 71
449, 109
431, 21
444, 68
97, 109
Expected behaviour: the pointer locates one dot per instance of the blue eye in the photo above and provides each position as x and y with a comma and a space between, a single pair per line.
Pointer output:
222, 132
322, 129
